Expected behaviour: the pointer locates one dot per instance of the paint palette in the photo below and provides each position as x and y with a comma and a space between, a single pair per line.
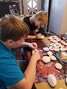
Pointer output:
57, 47
62, 56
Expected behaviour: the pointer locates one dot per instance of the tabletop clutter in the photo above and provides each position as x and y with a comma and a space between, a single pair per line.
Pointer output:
50, 67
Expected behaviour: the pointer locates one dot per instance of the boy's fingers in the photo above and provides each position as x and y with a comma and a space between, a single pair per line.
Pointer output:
34, 45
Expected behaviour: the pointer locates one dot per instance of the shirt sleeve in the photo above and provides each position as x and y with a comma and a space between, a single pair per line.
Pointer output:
11, 74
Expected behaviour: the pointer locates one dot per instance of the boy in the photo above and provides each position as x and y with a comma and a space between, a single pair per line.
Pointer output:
36, 21
13, 34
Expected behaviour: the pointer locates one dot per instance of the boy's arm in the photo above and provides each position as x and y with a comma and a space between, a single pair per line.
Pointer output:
30, 73
32, 45
31, 36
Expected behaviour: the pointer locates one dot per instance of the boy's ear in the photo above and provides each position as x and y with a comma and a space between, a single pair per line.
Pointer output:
10, 42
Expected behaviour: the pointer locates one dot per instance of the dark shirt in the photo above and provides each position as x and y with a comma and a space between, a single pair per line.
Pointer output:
32, 27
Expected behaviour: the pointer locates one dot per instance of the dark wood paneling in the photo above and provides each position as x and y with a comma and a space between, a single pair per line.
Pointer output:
4, 7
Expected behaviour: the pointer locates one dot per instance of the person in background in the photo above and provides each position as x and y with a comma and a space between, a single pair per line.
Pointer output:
36, 22
13, 35
10, 9
15, 10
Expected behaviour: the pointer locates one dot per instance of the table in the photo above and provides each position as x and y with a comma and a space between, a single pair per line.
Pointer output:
60, 84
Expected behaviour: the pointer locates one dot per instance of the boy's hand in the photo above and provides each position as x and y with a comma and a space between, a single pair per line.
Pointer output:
39, 36
35, 55
33, 45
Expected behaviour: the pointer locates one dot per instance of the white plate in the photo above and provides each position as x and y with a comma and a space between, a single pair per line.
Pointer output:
52, 80
52, 57
51, 48
58, 66
46, 49
56, 49
49, 53
46, 59
64, 53
42, 37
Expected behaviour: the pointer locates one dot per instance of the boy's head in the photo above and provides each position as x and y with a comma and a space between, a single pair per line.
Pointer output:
13, 31
41, 18
13, 28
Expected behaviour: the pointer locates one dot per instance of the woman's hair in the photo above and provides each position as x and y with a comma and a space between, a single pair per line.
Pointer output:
42, 16
13, 28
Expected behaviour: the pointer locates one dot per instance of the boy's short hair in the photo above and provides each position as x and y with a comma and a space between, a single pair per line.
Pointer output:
13, 28
42, 16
